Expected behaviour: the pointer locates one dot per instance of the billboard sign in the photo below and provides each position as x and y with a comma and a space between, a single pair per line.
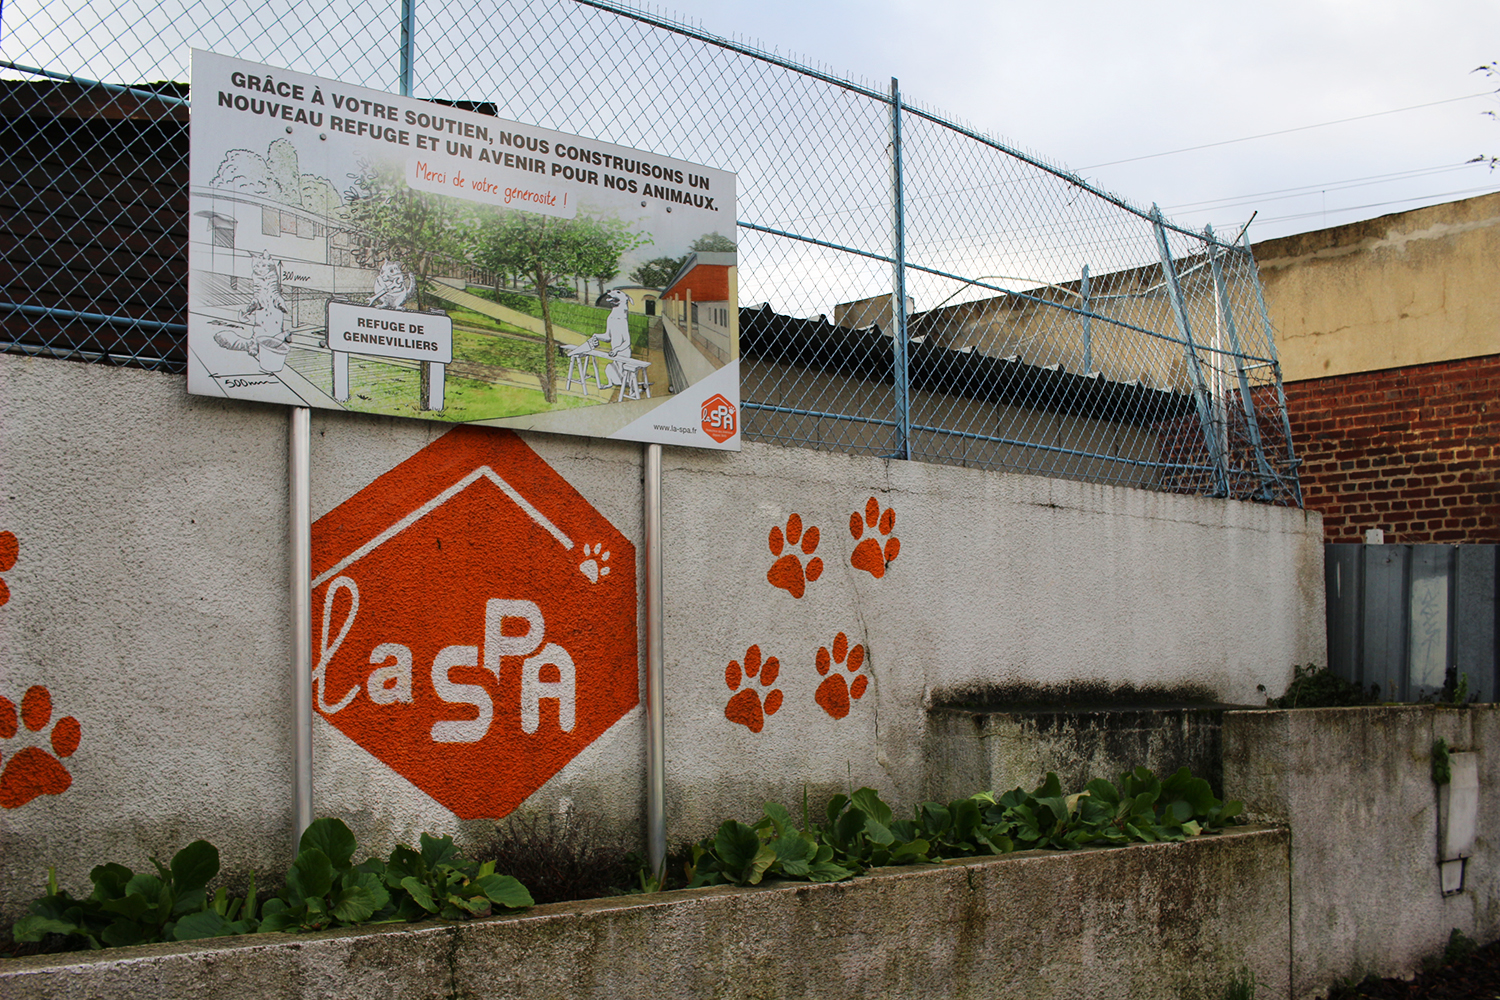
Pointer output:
352, 249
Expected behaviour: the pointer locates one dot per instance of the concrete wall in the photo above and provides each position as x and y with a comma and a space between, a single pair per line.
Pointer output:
149, 599
1168, 921
1407, 289
1355, 786
1000, 750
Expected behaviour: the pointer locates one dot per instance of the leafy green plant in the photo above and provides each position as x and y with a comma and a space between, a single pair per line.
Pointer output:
324, 888
438, 881
743, 855
1141, 808
961, 829
130, 908
860, 831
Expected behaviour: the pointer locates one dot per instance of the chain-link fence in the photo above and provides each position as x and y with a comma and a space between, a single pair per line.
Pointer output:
908, 287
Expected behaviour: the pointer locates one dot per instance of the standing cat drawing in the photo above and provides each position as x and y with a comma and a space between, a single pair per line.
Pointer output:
269, 340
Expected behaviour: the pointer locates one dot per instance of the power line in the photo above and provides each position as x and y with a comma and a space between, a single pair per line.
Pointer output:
1380, 204
1285, 131
1309, 189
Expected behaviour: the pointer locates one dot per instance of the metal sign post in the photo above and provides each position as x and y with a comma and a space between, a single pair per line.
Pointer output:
299, 492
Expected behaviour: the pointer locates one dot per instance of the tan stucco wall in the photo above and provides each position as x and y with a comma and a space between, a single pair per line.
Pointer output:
1408, 289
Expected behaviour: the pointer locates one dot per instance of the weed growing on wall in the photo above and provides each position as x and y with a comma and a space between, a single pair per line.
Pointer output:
1319, 687
563, 857
1442, 762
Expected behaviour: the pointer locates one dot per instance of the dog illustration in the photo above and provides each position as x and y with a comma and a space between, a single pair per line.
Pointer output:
617, 330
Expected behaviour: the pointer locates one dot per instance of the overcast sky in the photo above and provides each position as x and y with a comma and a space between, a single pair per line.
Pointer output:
1088, 83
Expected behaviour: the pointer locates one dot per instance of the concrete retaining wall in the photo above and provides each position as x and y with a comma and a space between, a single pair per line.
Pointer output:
149, 599
1002, 750
1355, 786
1175, 921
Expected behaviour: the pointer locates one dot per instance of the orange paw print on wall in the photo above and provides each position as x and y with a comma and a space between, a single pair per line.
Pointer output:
32, 771
745, 706
834, 693
788, 572
870, 554
9, 549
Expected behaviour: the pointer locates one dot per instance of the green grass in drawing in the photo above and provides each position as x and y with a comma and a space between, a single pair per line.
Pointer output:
392, 390
465, 317
584, 319
523, 352
469, 399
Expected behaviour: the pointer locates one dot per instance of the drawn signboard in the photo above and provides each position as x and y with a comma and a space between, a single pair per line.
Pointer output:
357, 250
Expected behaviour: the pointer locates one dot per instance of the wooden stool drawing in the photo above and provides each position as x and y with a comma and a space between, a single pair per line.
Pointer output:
580, 360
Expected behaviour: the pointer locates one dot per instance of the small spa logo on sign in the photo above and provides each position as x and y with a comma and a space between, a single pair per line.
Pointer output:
474, 621
720, 418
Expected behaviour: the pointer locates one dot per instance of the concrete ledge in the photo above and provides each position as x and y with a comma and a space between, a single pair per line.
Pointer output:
1151, 920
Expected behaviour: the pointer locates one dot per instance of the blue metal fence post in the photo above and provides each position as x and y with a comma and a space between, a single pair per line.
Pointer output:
1201, 395
1088, 331
898, 283
1247, 402
408, 43
1265, 319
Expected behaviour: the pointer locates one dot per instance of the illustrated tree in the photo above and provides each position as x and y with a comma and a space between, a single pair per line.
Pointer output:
655, 273
602, 242
401, 223
544, 249
409, 226
713, 243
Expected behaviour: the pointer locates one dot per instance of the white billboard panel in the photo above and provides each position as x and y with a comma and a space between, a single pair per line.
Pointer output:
358, 250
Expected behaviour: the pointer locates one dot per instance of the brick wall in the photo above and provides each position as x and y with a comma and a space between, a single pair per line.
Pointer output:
1413, 451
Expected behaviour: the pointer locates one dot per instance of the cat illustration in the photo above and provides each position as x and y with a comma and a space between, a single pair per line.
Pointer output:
269, 340
391, 291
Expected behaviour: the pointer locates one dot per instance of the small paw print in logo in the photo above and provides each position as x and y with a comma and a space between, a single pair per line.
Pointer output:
9, 549
745, 706
834, 693
31, 770
595, 563
788, 571
870, 554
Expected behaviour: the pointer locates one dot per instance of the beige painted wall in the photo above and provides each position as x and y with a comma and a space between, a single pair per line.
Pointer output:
1406, 289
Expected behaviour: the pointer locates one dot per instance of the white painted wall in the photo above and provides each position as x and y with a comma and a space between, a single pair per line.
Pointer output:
150, 598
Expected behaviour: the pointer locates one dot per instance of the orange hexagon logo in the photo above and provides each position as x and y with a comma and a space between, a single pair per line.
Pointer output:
720, 418
474, 621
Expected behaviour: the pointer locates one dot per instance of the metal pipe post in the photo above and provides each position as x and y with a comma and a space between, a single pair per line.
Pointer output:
1265, 319
1247, 399
1201, 395
1088, 331
898, 282
408, 43
299, 477
656, 762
